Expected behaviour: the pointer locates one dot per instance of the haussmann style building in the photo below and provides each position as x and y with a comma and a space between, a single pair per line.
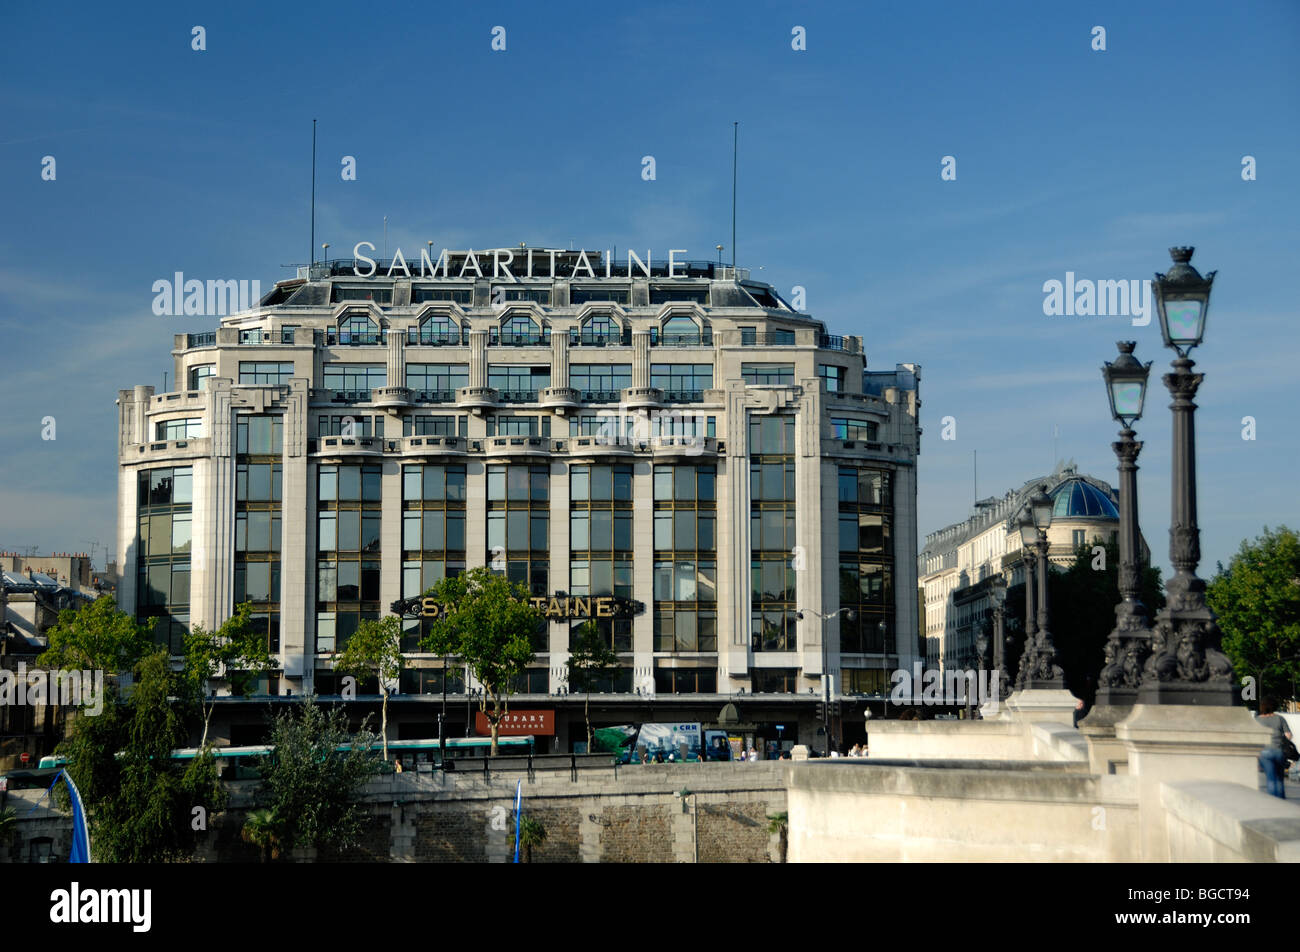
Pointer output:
670, 434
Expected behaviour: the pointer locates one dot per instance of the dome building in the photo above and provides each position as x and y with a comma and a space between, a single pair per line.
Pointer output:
958, 563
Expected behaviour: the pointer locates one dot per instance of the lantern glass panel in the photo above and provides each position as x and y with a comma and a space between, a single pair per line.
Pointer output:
1126, 399
1183, 318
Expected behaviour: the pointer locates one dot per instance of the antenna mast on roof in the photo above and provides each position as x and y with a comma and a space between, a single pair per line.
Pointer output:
735, 146
312, 257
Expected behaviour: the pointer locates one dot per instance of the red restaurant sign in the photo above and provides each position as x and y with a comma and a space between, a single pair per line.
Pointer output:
518, 723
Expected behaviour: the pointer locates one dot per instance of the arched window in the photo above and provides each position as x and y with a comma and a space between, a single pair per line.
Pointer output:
358, 329
600, 329
520, 329
680, 330
439, 329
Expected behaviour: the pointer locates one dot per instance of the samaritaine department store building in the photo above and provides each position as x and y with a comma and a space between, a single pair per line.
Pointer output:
668, 433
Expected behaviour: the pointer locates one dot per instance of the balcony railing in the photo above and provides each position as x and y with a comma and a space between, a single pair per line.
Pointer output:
750, 338
512, 339
702, 339
835, 342
602, 396
431, 338
517, 396
683, 396
584, 339
434, 396
349, 396
335, 337
205, 339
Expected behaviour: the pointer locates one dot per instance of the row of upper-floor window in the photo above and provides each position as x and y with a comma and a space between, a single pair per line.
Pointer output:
447, 378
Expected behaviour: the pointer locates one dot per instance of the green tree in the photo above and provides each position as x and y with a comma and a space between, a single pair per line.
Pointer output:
236, 650
139, 803
312, 787
96, 637
779, 823
531, 833
591, 661
488, 628
1257, 600
375, 649
262, 829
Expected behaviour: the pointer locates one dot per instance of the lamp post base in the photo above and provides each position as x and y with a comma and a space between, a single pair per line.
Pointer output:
1186, 666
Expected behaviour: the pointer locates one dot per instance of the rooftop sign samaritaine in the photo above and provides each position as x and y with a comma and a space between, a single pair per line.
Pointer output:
512, 264
554, 607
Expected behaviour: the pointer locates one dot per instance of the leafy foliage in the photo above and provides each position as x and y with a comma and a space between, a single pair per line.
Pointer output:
96, 637
488, 629
531, 833
236, 650
375, 649
312, 787
262, 829
1257, 599
138, 803
591, 661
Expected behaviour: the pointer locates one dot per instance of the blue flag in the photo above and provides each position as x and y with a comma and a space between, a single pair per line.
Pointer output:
519, 798
80, 834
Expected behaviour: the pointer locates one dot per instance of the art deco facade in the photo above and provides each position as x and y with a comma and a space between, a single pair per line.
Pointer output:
689, 442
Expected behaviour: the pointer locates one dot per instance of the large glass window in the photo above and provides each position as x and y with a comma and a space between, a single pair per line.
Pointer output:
600, 381
186, 428
767, 373
772, 533
200, 375
848, 428
685, 567
682, 382
433, 525
354, 378
835, 377
348, 550
518, 523
437, 378
866, 560
421, 425
163, 544
518, 382
262, 372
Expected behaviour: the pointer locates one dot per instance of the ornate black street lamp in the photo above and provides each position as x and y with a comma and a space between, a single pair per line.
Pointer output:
1186, 665
998, 599
1028, 542
1046, 674
1129, 643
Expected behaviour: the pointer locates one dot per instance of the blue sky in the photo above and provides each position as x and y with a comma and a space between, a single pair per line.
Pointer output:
1068, 159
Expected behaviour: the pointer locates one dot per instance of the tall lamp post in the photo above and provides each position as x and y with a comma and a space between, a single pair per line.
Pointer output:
1029, 654
1129, 643
998, 598
1046, 673
848, 613
1186, 665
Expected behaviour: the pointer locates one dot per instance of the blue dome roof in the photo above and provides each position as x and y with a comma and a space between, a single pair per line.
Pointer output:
1078, 499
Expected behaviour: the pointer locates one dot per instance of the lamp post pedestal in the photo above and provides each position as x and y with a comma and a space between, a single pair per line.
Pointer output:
1186, 665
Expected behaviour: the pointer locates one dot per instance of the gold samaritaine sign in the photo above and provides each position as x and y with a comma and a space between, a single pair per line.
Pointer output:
553, 607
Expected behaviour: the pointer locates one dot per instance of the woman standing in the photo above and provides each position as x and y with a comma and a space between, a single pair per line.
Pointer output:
1273, 757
